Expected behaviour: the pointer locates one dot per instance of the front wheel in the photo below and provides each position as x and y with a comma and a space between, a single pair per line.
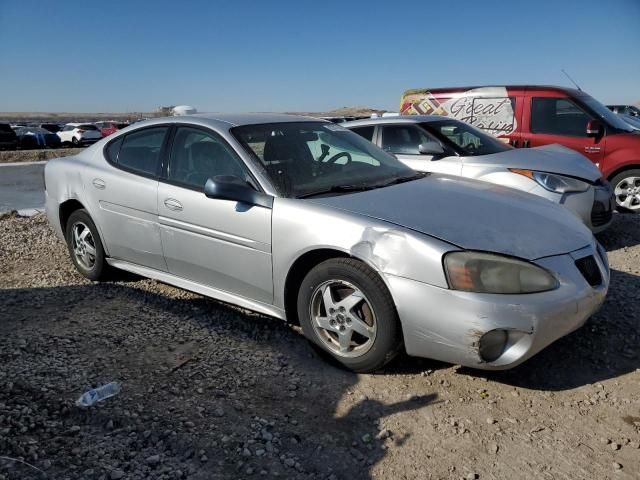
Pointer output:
626, 188
85, 246
346, 309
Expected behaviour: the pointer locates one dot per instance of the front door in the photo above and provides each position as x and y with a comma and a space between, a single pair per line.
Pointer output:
219, 243
560, 120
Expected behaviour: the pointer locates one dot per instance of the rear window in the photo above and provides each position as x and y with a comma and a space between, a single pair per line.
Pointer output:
364, 132
140, 150
87, 126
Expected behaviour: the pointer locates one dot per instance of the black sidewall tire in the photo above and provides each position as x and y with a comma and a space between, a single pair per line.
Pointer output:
388, 340
100, 268
615, 180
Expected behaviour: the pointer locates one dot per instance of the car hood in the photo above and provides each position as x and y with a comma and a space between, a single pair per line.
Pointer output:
548, 158
472, 215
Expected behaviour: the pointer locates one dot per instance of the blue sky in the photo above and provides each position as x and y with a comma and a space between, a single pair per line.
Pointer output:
112, 56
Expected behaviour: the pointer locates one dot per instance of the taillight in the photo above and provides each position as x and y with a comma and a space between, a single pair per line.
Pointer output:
80, 130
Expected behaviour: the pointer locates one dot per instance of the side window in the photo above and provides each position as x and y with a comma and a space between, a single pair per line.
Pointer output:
404, 139
364, 132
140, 151
113, 149
197, 156
558, 116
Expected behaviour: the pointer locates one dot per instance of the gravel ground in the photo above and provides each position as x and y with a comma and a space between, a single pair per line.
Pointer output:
12, 156
210, 391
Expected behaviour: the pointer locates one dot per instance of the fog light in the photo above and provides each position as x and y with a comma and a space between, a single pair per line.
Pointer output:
492, 344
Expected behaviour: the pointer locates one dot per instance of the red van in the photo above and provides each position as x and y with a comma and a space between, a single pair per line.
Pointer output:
529, 116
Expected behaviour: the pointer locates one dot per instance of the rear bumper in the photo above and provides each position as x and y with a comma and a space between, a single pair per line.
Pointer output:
52, 209
447, 325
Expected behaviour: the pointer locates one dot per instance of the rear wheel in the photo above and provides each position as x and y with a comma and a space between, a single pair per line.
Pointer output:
75, 141
345, 309
626, 188
85, 246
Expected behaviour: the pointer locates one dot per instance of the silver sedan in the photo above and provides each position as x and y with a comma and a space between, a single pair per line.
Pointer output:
445, 145
306, 221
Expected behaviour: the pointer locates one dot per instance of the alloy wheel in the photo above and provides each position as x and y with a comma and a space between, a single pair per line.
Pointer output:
83, 244
627, 193
343, 318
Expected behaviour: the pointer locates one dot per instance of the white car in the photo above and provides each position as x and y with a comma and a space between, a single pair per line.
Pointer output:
79, 134
439, 144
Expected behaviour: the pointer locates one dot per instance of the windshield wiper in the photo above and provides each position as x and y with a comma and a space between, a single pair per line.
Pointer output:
398, 180
338, 189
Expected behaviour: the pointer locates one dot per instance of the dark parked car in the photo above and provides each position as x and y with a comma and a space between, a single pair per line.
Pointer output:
8, 139
52, 127
36, 137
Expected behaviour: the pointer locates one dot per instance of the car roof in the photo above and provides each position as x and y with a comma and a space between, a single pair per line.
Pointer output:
228, 120
395, 119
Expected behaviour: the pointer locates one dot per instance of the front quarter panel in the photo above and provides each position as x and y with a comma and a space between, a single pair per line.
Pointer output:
300, 226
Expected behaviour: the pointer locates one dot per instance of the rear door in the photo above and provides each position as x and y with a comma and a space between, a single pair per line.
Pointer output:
219, 243
552, 117
124, 191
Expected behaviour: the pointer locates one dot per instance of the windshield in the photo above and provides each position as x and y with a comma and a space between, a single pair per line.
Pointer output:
465, 139
304, 158
633, 121
605, 114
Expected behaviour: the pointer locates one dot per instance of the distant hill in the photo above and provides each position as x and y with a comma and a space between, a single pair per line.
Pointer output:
63, 117
343, 112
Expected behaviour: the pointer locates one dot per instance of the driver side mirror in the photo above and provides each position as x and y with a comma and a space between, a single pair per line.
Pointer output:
594, 128
230, 187
430, 148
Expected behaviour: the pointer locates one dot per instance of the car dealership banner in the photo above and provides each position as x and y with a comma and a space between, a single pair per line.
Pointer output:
488, 108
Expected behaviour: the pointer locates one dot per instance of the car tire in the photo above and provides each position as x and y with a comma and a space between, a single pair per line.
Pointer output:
626, 188
85, 246
346, 310
75, 141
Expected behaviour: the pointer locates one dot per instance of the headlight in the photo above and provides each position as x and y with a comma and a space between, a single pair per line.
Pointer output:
553, 182
489, 273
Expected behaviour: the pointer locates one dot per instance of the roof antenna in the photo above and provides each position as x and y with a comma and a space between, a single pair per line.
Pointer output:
571, 79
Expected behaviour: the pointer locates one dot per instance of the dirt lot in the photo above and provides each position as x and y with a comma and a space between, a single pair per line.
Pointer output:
11, 156
211, 391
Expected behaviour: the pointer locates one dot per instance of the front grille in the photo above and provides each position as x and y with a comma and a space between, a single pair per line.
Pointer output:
600, 214
589, 269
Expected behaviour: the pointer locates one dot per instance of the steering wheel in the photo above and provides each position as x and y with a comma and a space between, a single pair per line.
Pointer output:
339, 155
471, 147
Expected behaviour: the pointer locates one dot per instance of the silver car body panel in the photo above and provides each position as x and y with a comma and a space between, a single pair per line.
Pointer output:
243, 255
495, 167
426, 206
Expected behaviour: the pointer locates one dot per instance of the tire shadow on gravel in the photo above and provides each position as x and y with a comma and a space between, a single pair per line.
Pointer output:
209, 390
605, 347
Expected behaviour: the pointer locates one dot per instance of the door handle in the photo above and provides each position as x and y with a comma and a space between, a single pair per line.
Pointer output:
173, 204
99, 183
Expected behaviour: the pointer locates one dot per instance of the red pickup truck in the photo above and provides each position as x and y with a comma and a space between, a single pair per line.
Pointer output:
529, 116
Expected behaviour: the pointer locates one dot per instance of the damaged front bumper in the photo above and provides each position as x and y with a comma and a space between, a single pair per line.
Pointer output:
447, 325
